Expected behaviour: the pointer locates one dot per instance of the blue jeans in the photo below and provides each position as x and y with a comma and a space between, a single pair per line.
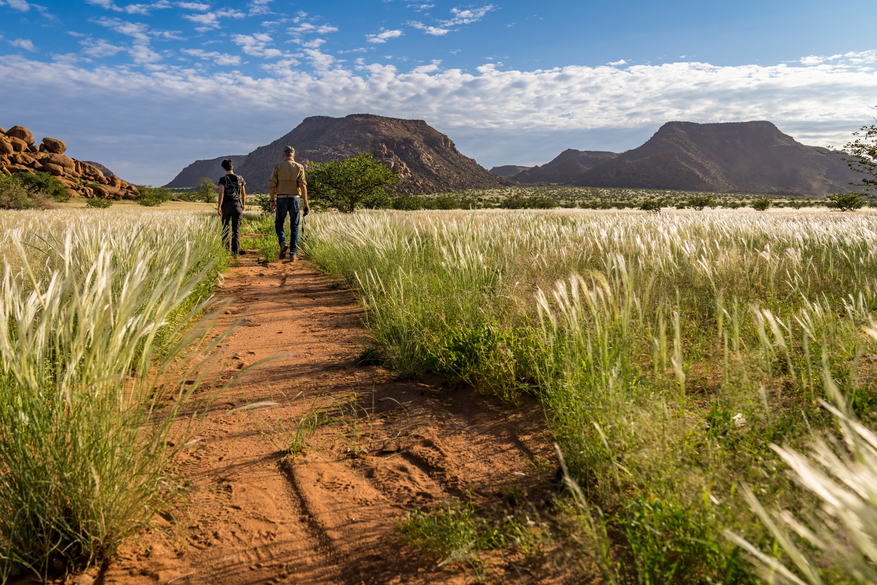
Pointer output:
292, 206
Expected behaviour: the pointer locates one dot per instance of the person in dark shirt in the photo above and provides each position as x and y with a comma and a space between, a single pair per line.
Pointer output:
232, 202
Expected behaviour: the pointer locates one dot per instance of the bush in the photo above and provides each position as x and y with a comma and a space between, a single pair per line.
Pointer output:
845, 201
406, 202
761, 204
44, 183
536, 202
152, 196
698, 202
14, 194
98, 202
652, 205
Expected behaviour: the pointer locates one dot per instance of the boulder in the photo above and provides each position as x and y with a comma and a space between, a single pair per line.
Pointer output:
115, 181
63, 161
54, 145
18, 144
6, 147
2, 131
22, 133
53, 169
22, 159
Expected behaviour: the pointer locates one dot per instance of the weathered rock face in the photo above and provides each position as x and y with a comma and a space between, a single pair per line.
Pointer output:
743, 157
426, 159
18, 154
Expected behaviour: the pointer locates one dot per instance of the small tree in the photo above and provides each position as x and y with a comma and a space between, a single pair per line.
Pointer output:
652, 205
358, 181
206, 191
698, 202
761, 204
845, 201
863, 158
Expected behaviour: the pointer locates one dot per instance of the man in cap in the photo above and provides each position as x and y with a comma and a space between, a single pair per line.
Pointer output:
288, 185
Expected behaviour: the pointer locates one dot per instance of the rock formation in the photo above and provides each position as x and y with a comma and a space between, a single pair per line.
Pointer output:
188, 178
426, 159
20, 154
739, 157
567, 168
509, 171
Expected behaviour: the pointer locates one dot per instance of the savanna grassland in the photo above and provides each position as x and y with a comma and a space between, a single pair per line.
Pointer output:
670, 351
104, 315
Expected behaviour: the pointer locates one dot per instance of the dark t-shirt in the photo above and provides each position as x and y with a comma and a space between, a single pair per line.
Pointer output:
232, 184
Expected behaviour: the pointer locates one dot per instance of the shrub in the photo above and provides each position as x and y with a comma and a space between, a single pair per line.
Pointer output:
98, 202
45, 183
406, 202
152, 196
14, 194
535, 202
653, 205
845, 201
761, 204
698, 202
206, 191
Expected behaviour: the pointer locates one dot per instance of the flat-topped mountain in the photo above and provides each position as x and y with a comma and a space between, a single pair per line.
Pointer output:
744, 157
569, 166
188, 178
426, 159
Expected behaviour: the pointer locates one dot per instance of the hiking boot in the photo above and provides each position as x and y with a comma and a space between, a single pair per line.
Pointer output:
293, 257
283, 250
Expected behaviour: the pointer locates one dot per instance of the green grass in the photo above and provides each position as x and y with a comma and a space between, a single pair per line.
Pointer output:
668, 350
101, 318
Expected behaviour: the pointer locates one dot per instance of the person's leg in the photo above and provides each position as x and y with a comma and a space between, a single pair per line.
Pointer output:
236, 230
225, 219
294, 218
279, 220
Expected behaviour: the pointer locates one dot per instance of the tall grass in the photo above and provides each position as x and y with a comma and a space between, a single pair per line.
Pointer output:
99, 325
669, 351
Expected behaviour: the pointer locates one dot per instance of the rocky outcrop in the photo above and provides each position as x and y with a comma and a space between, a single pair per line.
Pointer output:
19, 154
427, 160
737, 157
189, 177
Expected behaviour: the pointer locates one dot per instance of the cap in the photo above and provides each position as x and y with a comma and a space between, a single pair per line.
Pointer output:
288, 150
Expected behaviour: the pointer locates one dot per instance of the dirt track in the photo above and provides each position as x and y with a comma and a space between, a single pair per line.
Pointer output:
385, 445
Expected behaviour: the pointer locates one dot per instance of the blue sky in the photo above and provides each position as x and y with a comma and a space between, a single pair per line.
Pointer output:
146, 88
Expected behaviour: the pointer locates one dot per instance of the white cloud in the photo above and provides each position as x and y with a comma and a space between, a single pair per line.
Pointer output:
430, 30
617, 63
18, 5
431, 68
420, 7
25, 44
100, 48
210, 20
817, 104
131, 8
194, 6
260, 7
215, 56
135, 30
382, 36
468, 16
257, 45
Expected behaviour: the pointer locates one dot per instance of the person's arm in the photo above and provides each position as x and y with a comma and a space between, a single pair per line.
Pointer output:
221, 194
243, 197
271, 197
304, 197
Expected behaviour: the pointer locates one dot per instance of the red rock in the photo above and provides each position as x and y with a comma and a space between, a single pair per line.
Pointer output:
2, 131
22, 133
6, 147
18, 144
54, 169
61, 160
54, 145
22, 159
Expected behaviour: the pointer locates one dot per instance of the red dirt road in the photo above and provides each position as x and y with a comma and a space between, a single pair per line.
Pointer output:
384, 446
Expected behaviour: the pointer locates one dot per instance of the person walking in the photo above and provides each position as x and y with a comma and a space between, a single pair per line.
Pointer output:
288, 186
232, 202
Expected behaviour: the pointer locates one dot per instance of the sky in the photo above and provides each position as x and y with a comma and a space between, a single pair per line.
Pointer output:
147, 88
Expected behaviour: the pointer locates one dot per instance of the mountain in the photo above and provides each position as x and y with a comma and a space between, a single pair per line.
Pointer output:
188, 178
744, 157
567, 168
509, 171
427, 160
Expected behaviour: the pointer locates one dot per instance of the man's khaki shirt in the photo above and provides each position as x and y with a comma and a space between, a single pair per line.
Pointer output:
287, 178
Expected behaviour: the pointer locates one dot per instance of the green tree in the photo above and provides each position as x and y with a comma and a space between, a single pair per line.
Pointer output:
358, 181
206, 191
845, 201
698, 202
862, 152
761, 204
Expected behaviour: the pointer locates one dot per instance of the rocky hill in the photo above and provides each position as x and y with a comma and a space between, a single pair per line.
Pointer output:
509, 171
19, 153
427, 160
745, 157
569, 166
188, 178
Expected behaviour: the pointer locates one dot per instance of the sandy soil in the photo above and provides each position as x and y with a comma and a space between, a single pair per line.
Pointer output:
257, 514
